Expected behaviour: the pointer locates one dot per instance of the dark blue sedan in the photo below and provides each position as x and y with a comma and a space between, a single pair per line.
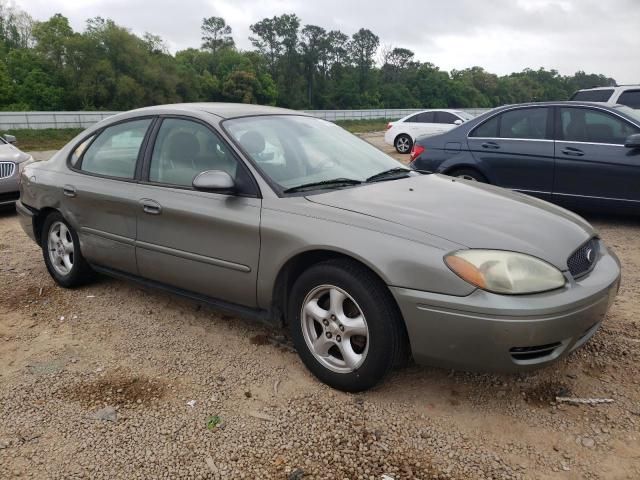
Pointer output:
578, 154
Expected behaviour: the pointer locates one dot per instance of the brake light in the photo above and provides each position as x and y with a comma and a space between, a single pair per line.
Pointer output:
389, 125
416, 151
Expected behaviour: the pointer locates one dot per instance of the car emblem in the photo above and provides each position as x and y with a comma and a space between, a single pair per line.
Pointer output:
590, 255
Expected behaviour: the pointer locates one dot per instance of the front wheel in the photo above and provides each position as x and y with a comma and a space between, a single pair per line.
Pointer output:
403, 143
345, 325
61, 251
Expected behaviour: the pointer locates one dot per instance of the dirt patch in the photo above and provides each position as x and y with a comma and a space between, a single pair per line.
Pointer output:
544, 393
120, 390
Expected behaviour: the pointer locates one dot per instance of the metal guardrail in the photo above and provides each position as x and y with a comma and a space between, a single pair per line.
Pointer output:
39, 120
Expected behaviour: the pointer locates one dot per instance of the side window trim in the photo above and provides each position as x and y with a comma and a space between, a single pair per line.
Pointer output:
143, 146
146, 162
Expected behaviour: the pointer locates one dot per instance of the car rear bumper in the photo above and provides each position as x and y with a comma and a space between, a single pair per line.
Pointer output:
26, 216
488, 332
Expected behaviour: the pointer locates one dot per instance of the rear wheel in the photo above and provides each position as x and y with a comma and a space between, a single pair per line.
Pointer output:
345, 325
61, 251
403, 143
469, 174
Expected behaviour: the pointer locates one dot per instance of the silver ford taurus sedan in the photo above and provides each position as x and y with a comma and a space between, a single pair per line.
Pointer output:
286, 218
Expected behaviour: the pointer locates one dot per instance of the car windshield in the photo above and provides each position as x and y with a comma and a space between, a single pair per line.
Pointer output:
295, 150
635, 114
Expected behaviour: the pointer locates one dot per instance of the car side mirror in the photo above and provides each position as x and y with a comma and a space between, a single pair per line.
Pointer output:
633, 141
457, 122
10, 138
214, 181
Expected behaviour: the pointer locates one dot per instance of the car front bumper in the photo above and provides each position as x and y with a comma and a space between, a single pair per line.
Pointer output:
500, 333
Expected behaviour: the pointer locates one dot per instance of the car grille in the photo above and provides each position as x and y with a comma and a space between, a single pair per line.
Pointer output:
7, 169
583, 259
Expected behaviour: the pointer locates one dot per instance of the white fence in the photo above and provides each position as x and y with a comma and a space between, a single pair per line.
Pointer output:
37, 120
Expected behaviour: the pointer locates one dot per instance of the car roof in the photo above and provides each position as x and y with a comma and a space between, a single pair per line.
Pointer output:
221, 109
619, 87
567, 103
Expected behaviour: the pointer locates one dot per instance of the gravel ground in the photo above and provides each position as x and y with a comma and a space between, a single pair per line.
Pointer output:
114, 381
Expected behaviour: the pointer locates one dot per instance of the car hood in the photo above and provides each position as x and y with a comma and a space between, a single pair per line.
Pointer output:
468, 213
9, 153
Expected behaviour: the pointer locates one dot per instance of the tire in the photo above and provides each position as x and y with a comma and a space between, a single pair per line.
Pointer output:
469, 174
403, 143
376, 343
61, 252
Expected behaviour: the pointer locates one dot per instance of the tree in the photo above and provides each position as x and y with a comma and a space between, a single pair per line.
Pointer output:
362, 48
216, 34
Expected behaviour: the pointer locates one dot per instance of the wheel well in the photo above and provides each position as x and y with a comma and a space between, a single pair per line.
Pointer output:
401, 135
38, 221
457, 168
296, 265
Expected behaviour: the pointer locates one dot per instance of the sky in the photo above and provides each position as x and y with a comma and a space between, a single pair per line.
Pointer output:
502, 36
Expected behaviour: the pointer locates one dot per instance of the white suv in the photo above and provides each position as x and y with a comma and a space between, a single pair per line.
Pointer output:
628, 95
402, 133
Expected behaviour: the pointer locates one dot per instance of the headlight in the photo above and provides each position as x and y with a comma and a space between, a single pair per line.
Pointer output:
499, 271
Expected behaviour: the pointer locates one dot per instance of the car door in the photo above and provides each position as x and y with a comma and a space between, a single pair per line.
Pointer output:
593, 167
202, 242
515, 149
100, 193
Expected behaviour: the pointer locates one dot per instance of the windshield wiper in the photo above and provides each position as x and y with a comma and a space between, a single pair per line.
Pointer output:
388, 174
334, 182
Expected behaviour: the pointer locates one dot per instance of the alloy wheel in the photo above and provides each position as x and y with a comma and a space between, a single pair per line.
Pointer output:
334, 329
61, 249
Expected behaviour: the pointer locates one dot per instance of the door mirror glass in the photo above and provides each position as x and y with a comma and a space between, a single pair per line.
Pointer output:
10, 138
457, 122
632, 141
214, 181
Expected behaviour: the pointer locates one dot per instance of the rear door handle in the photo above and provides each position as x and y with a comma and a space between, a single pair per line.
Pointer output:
490, 145
151, 207
575, 152
69, 191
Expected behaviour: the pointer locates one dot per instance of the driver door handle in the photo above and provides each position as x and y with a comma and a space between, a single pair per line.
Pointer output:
490, 145
151, 206
69, 191
575, 152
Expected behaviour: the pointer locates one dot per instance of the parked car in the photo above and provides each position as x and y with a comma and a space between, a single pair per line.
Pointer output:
12, 161
628, 95
402, 133
578, 154
287, 218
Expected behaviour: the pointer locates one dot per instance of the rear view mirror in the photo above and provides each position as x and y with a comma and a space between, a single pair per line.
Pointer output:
457, 122
633, 141
214, 181
10, 138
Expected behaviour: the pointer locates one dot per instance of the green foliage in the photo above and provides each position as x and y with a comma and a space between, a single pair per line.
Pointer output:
48, 66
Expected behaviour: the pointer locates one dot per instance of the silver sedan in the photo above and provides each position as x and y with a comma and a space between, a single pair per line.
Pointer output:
285, 218
12, 161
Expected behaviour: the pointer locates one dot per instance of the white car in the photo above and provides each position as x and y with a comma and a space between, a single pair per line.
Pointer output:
403, 133
628, 95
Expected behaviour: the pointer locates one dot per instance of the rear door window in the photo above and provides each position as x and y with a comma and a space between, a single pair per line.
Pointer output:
602, 95
630, 98
115, 151
593, 126
529, 123
488, 129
